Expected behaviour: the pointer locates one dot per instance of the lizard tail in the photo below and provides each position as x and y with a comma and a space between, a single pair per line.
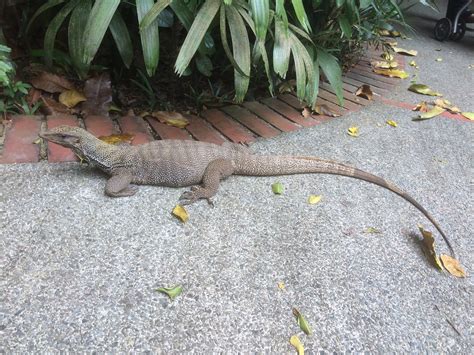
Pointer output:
289, 165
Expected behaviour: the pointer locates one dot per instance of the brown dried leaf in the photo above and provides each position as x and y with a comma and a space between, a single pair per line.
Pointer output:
447, 105
71, 98
98, 91
306, 113
33, 96
422, 107
410, 52
51, 83
118, 138
387, 56
452, 266
171, 118
325, 111
365, 91
52, 107
428, 244
287, 86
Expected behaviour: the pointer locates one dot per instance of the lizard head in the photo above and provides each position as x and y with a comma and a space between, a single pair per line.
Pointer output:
67, 136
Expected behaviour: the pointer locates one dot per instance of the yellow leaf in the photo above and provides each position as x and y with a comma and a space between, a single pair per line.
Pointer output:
429, 247
117, 138
435, 111
452, 266
281, 285
296, 342
391, 43
423, 89
392, 73
422, 107
468, 115
314, 199
447, 105
413, 64
71, 98
364, 91
439, 59
372, 230
383, 32
384, 64
277, 188
410, 52
171, 118
392, 123
353, 131
387, 56
306, 113
395, 34
180, 213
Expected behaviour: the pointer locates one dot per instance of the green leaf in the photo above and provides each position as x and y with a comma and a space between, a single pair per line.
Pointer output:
261, 17
96, 26
153, 13
53, 28
204, 65
119, 31
345, 26
149, 37
171, 292
330, 67
42, 8
304, 325
277, 188
196, 33
77, 23
301, 14
241, 52
281, 48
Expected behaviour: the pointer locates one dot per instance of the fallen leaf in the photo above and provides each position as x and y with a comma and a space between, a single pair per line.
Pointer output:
365, 91
115, 108
384, 32
52, 107
281, 285
422, 107
439, 59
304, 325
287, 86
410, 52
71, 98
180, 213
171, 118
353, 131
391, 43
306, 113
392, 123
118, 138
447, 105
387, 56
392, 73
171, 292
277, 188
468, 115
98, 91
452, 266
38, 141
51, 83
435, 111
33, 96
395, 34
423, 89
372, 230
325, 111
428, 244
314, 199
413, 64
296, 342
384, 64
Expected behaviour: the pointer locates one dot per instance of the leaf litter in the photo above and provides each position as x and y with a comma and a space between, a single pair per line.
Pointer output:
365, 91
171, 292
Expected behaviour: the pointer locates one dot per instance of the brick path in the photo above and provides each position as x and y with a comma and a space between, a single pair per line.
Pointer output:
237, 123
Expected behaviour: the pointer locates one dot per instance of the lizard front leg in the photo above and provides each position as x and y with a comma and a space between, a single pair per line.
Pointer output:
119, 185
216, 171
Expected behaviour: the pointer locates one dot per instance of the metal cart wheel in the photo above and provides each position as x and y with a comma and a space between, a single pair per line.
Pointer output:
443, 29
461, 31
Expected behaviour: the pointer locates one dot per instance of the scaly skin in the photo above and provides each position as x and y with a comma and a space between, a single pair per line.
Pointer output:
177, 163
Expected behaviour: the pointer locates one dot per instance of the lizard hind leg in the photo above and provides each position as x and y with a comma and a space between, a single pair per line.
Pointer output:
216, 171
119, 186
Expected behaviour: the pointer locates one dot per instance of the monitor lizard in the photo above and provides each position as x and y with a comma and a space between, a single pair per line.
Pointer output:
180, 163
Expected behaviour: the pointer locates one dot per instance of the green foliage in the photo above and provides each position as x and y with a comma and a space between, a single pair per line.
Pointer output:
280, 38
12, 93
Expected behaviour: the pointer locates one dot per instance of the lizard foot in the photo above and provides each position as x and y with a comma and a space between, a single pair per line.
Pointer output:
196, 193
128, 191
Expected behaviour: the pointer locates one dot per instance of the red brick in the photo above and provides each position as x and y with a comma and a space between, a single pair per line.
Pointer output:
203, 131
329, 96
271, 116
99, 125
348, 94
57, 153
228, 127
370, 81
252, 122
168, 132
289, 112
136, 126
357, 83
368, 72
294, 102
18, 145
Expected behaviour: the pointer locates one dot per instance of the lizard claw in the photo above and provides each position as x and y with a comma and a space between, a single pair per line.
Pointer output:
194, 194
